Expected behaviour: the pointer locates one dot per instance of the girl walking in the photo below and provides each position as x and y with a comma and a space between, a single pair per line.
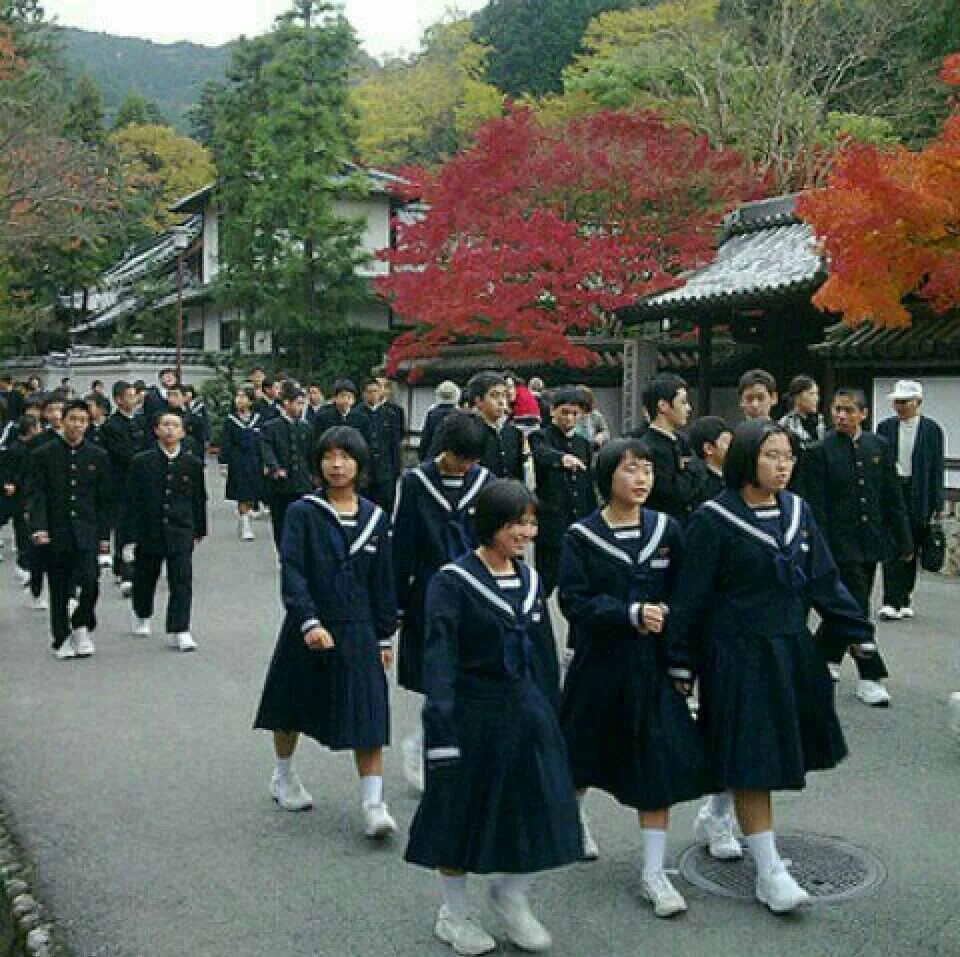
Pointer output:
240, 456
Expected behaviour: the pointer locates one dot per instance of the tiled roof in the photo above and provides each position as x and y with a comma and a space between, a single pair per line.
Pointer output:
929, 337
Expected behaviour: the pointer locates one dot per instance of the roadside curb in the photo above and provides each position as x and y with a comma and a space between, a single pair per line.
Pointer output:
34, 934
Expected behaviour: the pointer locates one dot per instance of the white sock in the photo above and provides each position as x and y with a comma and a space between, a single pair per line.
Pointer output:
721, 805
654, 847
454, 893
284, 767
512, 885
371, 789
763, 847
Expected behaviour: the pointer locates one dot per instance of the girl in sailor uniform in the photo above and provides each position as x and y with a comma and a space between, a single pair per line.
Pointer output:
327, 678
755, 563
628, 730
240, 456
430, 529
499, 797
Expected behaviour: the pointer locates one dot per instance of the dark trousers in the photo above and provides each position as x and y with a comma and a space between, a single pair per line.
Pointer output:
123, 570
29, 557
70, 570
146, 574
900, 576
547, 561
858, 577
278, 515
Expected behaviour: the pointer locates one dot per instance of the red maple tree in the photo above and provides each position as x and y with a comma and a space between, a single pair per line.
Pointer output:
537, 233
889, 222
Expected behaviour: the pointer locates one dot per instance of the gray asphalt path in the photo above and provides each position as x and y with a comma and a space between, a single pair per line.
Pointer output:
139, 791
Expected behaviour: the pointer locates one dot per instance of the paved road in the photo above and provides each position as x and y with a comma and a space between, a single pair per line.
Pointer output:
140, 793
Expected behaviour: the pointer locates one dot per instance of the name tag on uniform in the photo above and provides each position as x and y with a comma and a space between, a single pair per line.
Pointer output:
370, 548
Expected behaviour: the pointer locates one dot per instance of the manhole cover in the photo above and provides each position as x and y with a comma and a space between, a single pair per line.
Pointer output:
829, 869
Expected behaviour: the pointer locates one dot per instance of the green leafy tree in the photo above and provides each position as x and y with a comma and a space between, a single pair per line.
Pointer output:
202, 117
136, 110
85, 113
283, 133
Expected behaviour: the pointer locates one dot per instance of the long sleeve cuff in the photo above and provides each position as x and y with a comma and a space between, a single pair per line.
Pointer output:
634, 613
386, 643
680, 674
449, 753
309, 624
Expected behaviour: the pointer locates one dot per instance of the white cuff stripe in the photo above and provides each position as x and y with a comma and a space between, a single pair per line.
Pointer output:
439, 754
308, 624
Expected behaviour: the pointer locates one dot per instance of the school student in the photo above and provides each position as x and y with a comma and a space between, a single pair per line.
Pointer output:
629, 731
327, 678
804, 421
166, 520
499, 796
757, 391
709, 438
68, 508
431, 528
341, 411
486, 395
754, 564
14, 467
240, 455
381, 423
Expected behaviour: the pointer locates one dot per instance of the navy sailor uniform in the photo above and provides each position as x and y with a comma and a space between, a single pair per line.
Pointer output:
336, 573
629, 731
430, 528
240, 452
750, 578
499, 796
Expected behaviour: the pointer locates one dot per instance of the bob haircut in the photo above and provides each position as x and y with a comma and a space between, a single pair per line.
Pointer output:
610, 457
501, 502
462, 433
349, 440
709, 428
740, 465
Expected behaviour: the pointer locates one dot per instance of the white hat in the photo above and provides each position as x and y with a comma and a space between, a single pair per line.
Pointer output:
447, 391
906, 389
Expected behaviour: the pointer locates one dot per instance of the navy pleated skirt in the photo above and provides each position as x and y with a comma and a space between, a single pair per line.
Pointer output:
508, 805
337, 697
628, 731
410, 646
767, 709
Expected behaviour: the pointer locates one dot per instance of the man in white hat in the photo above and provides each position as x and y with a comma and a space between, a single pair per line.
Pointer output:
918, 443
447, 395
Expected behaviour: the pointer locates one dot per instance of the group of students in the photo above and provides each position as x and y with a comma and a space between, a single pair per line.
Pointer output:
666, 598
84, 489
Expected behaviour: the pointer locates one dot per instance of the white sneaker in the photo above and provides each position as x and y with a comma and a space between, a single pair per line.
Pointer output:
522, 928
289, 792
591, 850
126, 589
23, 576
413, 762
141, 627
716, 835
779, 891
873, 693
666, 899
66, 651
464, 934
377, 823
104, 561
246, 528
954, 709
834, 670
182, 641
889, 613
907, 612
82, 643
39, 602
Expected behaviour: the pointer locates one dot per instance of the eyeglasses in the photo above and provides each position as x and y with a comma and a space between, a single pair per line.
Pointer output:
787, 458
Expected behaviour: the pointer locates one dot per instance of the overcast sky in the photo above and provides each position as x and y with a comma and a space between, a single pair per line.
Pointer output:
384, 26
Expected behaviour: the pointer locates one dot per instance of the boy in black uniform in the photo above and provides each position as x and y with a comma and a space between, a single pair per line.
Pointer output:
486, 394
384, 435
155, 399
287, 445
15, 464
123, 437
340, 411
166, 517
710, 438
851, 484
68, 508
564, 480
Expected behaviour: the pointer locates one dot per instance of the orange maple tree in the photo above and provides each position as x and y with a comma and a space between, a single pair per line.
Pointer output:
889, 223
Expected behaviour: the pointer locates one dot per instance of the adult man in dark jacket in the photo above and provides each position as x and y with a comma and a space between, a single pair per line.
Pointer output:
917, 444
486, 394
286, 442
447, 395
383, 430
166, 517
675, 487
68, 508
851, 485
561, 459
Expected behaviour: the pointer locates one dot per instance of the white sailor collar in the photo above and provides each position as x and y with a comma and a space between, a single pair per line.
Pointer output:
368, 518
248, 424
595, 531
471, 570
473, 480
731, 507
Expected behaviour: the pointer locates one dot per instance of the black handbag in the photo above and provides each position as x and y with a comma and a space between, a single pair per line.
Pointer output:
933, 550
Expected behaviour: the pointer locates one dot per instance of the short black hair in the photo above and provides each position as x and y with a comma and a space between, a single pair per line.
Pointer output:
95, 383
314, 385
858, 395
709, 428
164, 371
610, 457
74, 405
52, 398
662, 388
119, 387
27, 423
344, 385
349, 440
98, 400
177, 412
569, 395
267, 384
175, 387
500, 502
462, 433
800, 383
481, 383
247, 390
290, 392
754, 377
740, 465
139, 385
